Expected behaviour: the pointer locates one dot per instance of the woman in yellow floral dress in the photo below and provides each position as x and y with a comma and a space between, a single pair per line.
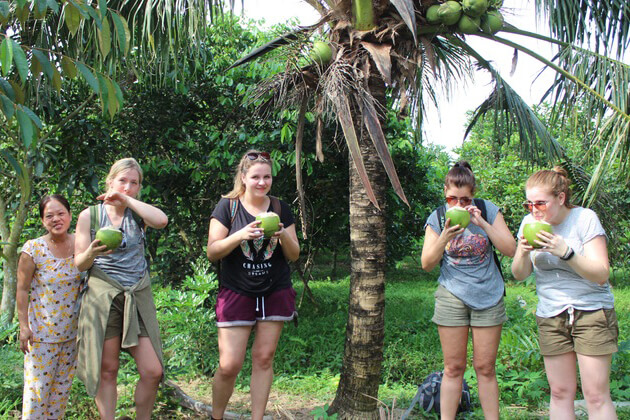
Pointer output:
48, 319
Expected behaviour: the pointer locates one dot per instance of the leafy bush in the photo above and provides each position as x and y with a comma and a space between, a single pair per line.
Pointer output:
186, 318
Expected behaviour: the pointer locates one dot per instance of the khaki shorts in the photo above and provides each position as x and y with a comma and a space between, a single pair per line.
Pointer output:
450, 311
116, 318
592, 333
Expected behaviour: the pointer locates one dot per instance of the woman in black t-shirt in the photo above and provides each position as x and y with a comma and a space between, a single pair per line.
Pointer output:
255, 284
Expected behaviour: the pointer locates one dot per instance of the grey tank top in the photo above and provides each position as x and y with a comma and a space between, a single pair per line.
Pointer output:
126, 264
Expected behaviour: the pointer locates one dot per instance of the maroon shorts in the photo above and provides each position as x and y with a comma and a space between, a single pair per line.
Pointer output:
233, 309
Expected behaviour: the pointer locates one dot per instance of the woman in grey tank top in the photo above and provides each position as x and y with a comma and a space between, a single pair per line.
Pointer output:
125, 273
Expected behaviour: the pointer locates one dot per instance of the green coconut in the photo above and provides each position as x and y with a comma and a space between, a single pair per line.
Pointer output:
269, 223
492, 22
321, 53
474, 8
432, 15
468, 25
459, 216
109, 236
450, 12
530, 231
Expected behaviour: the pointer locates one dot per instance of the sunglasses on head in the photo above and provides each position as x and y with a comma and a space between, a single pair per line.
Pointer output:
540, 205
256, 155
453, 201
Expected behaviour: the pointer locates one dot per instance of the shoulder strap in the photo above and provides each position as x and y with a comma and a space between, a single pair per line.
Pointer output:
139, 220
441, 215
95, 218
481, 205
233, 209
275, 205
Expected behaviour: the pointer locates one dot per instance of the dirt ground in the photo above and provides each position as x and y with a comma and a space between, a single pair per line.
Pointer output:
281, 406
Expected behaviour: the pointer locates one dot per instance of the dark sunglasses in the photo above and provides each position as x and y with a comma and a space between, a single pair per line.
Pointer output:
256, 155
453, 201
540, 205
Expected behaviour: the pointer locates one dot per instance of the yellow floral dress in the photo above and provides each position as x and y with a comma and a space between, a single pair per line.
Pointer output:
52, 315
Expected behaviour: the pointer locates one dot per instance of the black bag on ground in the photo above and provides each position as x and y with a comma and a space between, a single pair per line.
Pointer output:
428, 396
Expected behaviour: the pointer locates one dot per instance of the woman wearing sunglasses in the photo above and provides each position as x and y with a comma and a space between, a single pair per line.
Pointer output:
470, 291
575, 313
117, 309
255, 293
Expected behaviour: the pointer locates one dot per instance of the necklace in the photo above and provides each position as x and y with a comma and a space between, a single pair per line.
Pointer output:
64, 246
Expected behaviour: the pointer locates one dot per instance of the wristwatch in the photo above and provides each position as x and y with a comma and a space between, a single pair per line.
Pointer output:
568, 255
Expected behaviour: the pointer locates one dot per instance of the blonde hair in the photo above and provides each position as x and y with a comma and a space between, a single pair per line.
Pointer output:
242, 168
122, 165
556, 180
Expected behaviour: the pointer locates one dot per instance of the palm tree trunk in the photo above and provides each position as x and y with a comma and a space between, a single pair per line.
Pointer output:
363, 355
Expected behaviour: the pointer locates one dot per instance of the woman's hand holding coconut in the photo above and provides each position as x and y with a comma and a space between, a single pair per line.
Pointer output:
97, 249
450, 232
250, 231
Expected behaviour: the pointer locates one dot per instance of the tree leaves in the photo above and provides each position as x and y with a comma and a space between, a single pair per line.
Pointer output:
68, 67
6, 55
44, 62
104, 38
88, 76
21, 63
72, 18
26, 127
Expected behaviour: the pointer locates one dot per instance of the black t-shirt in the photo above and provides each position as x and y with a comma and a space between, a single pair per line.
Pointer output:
256, 267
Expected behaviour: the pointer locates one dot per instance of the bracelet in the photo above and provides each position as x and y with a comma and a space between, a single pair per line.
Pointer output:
568, 255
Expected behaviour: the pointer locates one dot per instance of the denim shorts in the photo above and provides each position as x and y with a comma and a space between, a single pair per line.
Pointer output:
451, 311
591, 333
234, 309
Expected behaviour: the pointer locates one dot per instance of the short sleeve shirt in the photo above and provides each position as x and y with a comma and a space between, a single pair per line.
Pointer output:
52, 314
468, 269
256, 267
558, 286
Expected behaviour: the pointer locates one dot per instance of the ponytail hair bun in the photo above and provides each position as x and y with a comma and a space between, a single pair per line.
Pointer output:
461, 175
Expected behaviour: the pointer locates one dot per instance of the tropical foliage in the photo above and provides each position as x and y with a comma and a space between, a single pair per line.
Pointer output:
44, 46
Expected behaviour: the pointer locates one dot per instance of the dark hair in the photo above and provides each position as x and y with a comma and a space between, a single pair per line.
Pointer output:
556, 180
48, 198
461, 175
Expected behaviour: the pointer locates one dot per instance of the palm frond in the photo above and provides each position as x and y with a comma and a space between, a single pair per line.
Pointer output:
279, 41
602, 23
609, 78
373, 125
407, 12
614, 139
336, 90
508, 105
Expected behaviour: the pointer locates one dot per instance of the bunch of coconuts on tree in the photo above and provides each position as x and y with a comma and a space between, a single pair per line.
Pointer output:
467, 16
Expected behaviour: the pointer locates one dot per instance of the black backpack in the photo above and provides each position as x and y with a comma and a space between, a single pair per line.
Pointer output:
481, 205
428, 396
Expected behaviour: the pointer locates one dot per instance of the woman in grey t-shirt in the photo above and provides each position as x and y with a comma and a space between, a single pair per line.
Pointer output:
575, 314
470, 292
